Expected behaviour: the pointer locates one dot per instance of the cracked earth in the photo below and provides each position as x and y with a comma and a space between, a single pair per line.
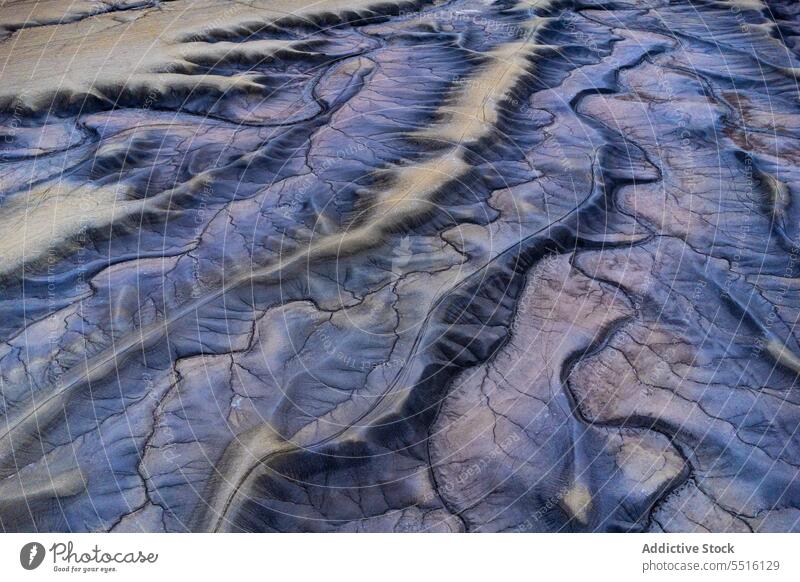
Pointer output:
430, 265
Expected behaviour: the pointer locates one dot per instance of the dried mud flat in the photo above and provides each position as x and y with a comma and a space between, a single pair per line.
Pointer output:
399, 266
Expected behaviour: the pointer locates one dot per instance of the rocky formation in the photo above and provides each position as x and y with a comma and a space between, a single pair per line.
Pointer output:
452, 265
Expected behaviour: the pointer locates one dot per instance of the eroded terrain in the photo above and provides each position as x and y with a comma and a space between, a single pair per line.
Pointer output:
453, 265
